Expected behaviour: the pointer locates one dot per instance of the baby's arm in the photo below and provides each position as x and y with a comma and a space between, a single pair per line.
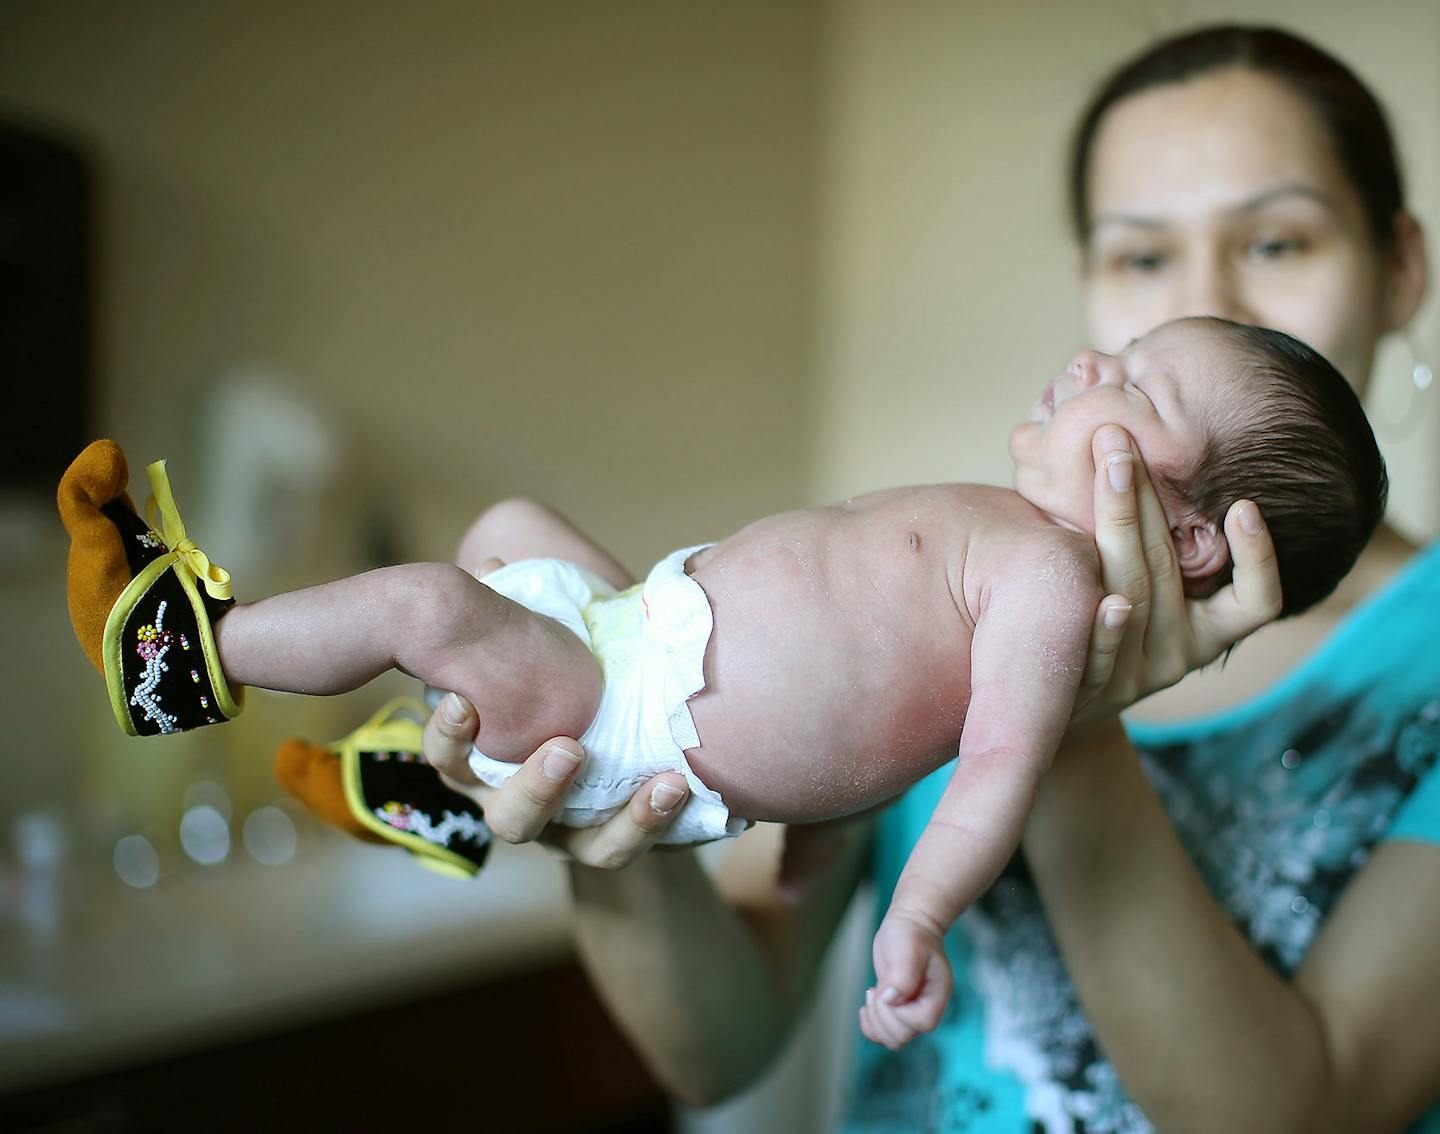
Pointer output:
1026, 659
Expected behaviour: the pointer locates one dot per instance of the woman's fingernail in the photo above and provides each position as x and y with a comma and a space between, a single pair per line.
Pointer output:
453, 710
1120, 471
1117, 616
664, 797
890, 996
1250, 518
559, 763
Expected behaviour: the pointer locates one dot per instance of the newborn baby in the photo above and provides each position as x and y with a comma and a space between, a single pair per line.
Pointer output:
816, 662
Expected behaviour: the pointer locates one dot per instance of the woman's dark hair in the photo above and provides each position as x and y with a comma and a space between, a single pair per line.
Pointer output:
1350, 114
1298, 444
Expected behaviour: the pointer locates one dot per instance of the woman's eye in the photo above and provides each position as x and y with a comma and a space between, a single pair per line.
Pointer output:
1141, 263
1273, 248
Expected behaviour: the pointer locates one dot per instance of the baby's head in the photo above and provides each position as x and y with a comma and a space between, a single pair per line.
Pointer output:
1219, 411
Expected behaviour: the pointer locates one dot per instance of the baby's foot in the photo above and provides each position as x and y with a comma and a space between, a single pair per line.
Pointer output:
142, 607
376, 785
108, 541
311, 773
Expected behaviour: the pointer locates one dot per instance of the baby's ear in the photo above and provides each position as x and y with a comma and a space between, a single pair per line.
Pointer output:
1203, 554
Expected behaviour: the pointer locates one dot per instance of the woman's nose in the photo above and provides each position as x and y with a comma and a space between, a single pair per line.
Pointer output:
1211, 289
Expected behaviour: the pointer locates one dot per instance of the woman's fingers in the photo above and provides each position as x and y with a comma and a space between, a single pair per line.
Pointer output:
448, 737
518, 810
1167, 622
523, 805
1123, 567
521, 810
1253, 597
1117, 517
631, 832
1106, 637
1137, 557
1256, 571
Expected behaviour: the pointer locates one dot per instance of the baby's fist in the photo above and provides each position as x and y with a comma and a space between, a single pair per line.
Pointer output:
913, 982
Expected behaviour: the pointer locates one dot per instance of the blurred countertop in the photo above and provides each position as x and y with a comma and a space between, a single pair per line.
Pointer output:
215, 954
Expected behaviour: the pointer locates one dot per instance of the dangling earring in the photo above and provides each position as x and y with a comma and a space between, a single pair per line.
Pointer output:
1419, 380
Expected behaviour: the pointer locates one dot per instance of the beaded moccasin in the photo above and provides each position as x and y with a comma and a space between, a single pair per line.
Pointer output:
142, 600
377, 785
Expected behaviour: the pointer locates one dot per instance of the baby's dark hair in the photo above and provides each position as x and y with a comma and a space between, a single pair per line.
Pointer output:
1301, 447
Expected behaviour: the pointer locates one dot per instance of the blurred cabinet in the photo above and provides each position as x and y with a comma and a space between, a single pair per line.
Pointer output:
45, 320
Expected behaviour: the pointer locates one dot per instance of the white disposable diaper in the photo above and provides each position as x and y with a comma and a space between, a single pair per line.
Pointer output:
650, 641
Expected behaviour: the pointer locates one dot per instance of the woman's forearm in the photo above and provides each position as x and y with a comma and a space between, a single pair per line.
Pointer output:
1203, 1034
680, 972
706, 994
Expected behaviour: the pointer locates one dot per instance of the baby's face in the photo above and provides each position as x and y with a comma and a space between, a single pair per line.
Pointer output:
1162, 389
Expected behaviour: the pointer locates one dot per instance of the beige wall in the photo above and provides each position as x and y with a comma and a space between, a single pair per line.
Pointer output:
948, 291
507, 246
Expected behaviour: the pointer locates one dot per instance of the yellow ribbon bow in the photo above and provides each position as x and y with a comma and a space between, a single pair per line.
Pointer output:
172, 530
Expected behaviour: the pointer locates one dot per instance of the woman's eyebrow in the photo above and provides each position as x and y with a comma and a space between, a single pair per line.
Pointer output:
1260, 200
1248, 205
1134, 220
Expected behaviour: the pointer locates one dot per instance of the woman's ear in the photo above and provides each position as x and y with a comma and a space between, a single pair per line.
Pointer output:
1202, 552
1407, 271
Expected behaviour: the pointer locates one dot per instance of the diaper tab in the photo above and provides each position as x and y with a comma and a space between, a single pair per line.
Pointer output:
679, 618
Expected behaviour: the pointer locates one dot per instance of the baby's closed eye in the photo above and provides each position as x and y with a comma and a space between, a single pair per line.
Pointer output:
1139, 392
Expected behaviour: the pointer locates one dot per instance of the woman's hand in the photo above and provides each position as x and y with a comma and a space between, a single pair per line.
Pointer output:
1147, 634
521, 810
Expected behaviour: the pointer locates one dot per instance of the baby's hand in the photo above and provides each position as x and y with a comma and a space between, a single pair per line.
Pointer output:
913, 982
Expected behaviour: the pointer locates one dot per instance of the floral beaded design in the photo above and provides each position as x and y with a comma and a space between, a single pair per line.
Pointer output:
404, 817
153, 643
402, 757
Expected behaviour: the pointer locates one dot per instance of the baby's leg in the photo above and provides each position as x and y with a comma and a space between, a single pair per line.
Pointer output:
509, 530
524, 529
529, 678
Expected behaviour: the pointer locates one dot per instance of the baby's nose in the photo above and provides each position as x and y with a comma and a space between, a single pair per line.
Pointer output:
1092, 368
1085, 368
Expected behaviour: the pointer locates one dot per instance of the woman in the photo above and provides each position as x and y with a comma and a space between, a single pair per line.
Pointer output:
1290, 982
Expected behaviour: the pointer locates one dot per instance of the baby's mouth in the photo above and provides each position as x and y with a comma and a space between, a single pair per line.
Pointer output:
1044, 408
